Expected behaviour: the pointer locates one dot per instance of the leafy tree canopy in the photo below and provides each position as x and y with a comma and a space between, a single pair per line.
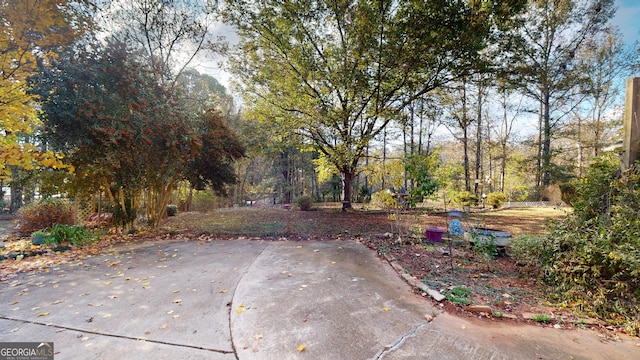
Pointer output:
339, 71
33, 32
126, 133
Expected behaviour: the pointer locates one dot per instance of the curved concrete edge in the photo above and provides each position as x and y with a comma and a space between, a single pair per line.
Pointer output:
322, 300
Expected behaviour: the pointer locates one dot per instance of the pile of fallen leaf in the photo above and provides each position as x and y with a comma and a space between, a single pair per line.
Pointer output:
20, 255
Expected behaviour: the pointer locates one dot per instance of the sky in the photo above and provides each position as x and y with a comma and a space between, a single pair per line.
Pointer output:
627, 18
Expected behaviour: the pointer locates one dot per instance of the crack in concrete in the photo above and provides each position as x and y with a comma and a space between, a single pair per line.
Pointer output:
118, 336
399, 342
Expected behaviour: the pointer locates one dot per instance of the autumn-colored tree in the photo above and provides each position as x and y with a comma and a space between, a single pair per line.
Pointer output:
126, 133
33, 31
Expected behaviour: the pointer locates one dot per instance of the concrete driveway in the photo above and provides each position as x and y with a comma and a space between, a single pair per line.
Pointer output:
245, 299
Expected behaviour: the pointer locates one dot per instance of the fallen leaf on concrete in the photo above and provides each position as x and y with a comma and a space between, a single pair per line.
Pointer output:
240, 309
170, 312
163, 326
43, 314
223, 291
13, 303
385, 309
301, 347
176, 291
257, 337
106, 316
177, 301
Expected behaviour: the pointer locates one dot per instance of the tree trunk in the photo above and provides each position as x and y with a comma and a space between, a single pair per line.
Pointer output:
465, 139
478, 142
546, 146
347, 180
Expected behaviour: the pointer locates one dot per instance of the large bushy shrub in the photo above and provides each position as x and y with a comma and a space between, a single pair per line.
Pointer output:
43, 214
465, 198
305, 203
496, 199
595, 259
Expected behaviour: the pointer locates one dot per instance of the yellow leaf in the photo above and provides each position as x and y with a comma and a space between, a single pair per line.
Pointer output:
333, 263
385, 309
223, 291
107, 282
240, 308
299, 247
176, 291
301, 347
43, 314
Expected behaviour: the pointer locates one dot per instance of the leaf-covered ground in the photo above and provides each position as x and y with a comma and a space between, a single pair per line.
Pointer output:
466, 278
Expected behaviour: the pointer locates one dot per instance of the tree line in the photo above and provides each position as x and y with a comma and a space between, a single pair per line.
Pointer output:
102, 97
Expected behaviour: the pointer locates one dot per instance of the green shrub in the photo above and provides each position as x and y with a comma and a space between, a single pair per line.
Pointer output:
594, 254
542, 318
459, 295
305, 203
496, 199
172, 210
75, 235
531, 251
43, 214
465, 198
